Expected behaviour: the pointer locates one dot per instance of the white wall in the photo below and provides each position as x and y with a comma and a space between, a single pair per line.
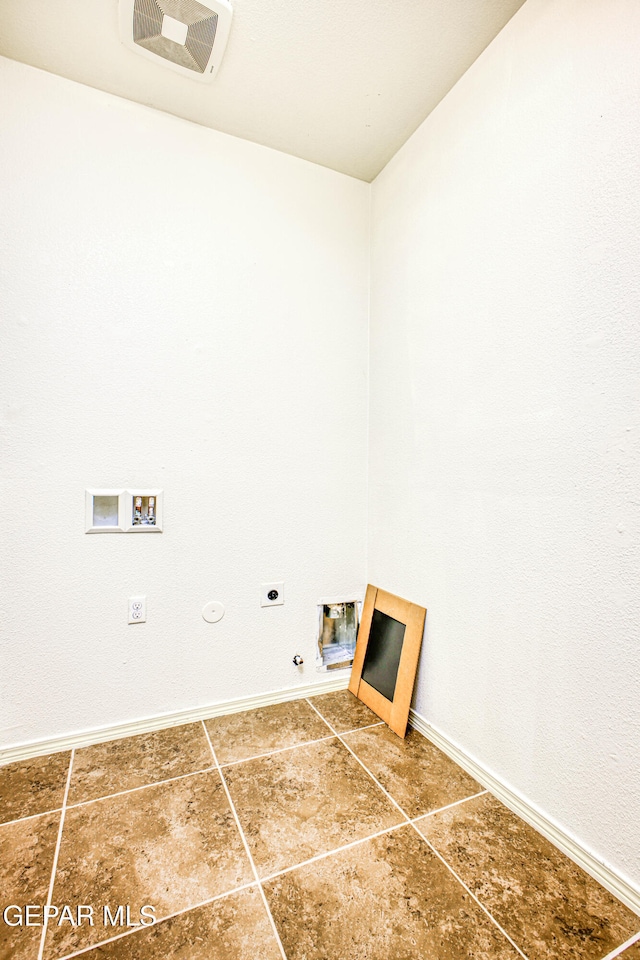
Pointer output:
505, 418
186, 310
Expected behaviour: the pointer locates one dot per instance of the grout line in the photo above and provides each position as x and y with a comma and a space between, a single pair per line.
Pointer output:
324, 719
32, 816
143, 786
259, 756
108, 796
169, 916
471, 894
371, 836
411, 822
193, 773
456, 803
346, 733
623, 946
330, 853
294, 746
375, 780
55, 856
246, 845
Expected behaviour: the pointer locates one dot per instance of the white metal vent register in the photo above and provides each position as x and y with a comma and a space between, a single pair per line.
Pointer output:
188, 36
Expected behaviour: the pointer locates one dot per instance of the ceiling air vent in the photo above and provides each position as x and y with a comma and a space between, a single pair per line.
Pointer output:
188, 36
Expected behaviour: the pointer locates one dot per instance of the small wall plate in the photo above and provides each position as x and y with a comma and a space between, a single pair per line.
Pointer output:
104, 510
272, 594
131, 524
213, 611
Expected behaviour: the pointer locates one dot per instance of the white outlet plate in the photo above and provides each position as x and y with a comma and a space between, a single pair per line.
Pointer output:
137, 609
271, 588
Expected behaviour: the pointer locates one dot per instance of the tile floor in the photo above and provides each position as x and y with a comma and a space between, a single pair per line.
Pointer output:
305, 831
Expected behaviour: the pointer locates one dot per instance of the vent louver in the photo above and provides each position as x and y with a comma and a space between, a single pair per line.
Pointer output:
186, 35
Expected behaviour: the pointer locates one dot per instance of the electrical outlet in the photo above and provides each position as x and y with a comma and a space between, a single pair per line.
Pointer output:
137, 609
271, 594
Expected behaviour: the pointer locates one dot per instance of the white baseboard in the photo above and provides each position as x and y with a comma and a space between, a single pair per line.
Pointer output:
620, 887
131, 729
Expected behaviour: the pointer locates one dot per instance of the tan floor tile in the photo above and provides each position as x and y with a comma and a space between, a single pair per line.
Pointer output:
344, 711
171, 845
417, 775
547, 904
296, 804
389, 898
632, 953
33, 786
107, 768
235, 928
240, 736
26, 858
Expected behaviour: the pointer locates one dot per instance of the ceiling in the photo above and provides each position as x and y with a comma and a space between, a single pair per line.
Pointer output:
342, 83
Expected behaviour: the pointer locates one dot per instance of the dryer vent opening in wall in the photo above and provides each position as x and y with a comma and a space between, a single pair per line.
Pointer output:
337, 634
188, 36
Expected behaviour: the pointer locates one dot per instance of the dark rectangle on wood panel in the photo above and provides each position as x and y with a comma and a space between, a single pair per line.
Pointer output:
381, 661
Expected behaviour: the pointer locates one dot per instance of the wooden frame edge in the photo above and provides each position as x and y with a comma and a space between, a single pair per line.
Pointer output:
396, 712
363, 638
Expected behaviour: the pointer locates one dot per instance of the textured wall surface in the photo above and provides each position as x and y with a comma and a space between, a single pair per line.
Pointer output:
505, 427
184, 310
